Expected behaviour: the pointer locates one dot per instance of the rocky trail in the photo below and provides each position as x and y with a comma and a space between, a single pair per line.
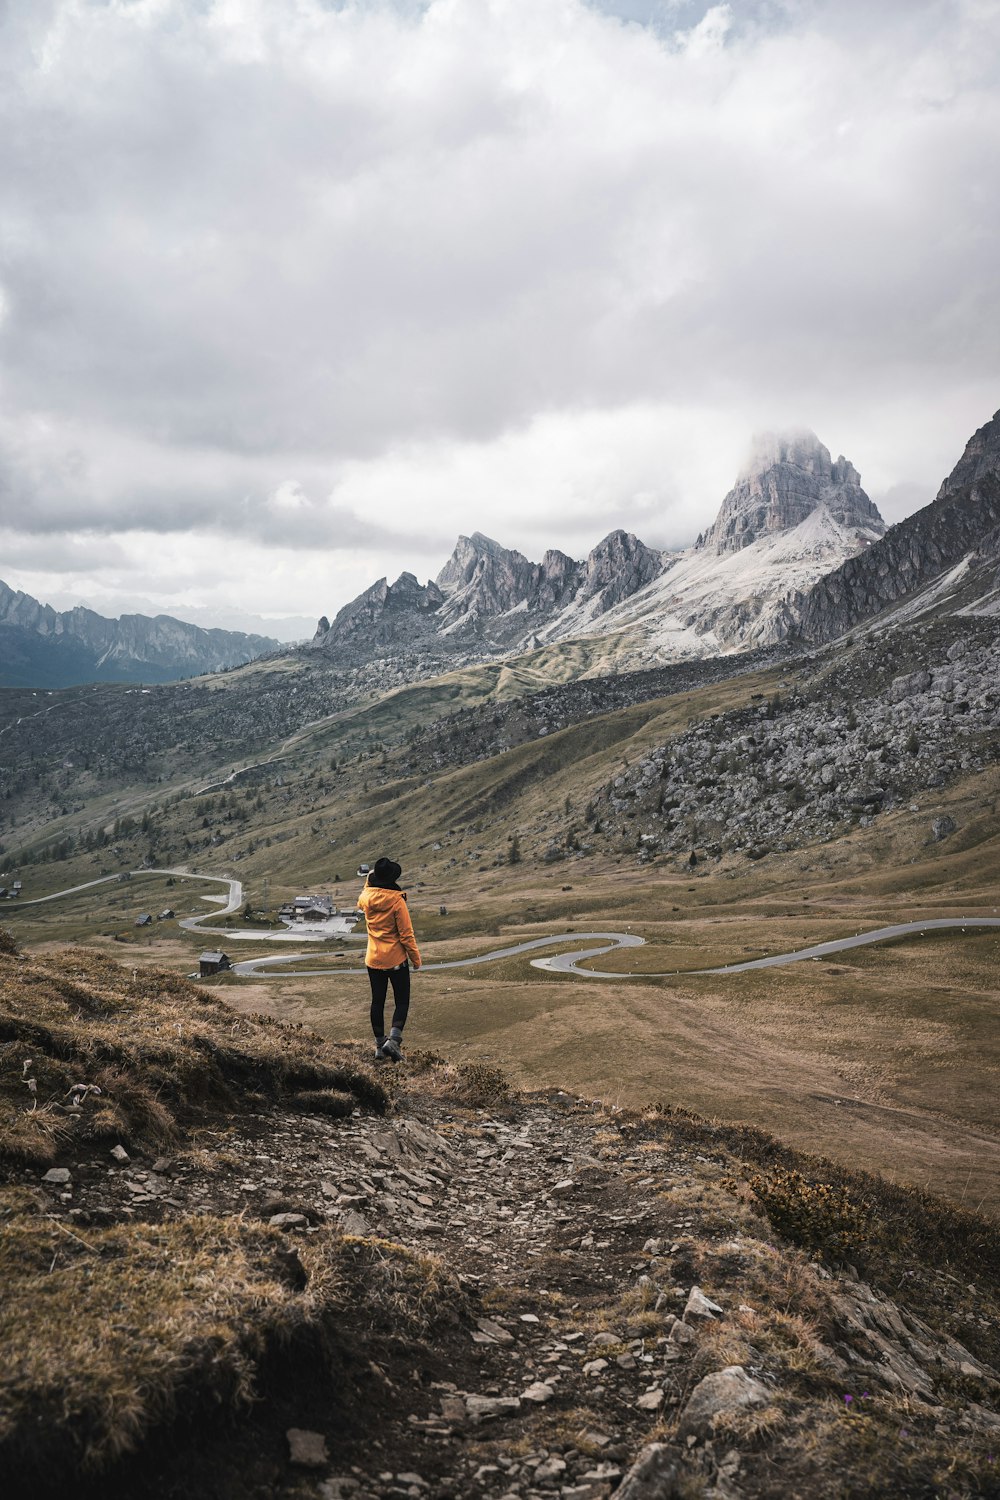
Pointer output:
620, 1320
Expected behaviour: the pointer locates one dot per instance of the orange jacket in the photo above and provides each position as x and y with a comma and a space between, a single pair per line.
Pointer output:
390, 931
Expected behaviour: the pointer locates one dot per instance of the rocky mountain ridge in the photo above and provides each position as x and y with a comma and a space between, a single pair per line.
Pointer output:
43, 647
959, 529
793, 515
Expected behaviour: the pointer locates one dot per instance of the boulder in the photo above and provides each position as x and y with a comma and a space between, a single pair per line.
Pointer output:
653, 1476
725, 1391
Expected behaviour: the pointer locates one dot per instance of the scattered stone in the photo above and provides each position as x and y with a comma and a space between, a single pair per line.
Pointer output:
351, 1222
728, 1390
653, 1476
602, 1340
538, 1393
564, 1188
453, 1408
494, 1331
595, 1366
288, 1221
700, 1306
485, 1408
551, 1468
120, 1155
307, 1449
650, 1400
341, 1487
942, 827
625, 1361
58, 1176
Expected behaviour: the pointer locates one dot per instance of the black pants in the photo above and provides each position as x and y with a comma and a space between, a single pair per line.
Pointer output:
379, 980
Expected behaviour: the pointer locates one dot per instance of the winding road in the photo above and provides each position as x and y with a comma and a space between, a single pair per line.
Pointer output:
192, 924
555, 963
569, 963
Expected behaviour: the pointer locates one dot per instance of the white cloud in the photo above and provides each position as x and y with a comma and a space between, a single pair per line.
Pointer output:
349, 278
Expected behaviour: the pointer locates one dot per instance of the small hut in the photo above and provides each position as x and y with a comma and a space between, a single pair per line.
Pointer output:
213, 963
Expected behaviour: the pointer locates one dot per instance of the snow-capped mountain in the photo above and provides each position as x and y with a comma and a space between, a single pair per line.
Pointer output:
793, 515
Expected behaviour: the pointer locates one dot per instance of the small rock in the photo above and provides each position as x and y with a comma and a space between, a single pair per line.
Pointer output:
653, 1476
530, 1318
728, 1390
564, 1188
682, 1333
288, 1221
653, 1247
625, 1361
412, 1479
551, 1468
308, 1449
942, 827
351, 1222
602, 1340
538, 1393
650, 1400
58, 1176
595, 1366
340, 1487
495, 1331
120, 1155
484, 1408
700, 1306
453, 1408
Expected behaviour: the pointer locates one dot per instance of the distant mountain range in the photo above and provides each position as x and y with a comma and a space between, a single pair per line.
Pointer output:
41, 647
793, 516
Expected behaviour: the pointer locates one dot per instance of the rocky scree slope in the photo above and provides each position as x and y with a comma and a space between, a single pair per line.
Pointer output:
794, 511
865, 732
848, 734
962, 525
41, 647
237, 1263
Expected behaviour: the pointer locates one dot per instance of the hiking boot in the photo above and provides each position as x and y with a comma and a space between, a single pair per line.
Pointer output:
392, 1049
380, 1052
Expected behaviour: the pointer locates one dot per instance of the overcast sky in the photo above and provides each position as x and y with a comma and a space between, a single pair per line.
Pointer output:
294, 291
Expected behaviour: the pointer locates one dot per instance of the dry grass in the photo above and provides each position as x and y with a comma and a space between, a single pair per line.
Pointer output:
95, 1053
103, 1329
111, 1333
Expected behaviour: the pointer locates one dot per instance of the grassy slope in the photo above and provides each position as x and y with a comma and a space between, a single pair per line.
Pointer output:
886, 1058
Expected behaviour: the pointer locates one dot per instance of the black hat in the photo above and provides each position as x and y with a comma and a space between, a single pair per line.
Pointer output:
385, 873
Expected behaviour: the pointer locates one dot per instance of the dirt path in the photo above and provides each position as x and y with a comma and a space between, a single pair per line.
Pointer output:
581, 1250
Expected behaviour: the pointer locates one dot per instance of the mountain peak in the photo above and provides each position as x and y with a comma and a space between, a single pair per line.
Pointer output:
981, 456
470, 552
787, 476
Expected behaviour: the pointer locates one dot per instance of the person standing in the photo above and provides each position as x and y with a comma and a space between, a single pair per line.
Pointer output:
392, 948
